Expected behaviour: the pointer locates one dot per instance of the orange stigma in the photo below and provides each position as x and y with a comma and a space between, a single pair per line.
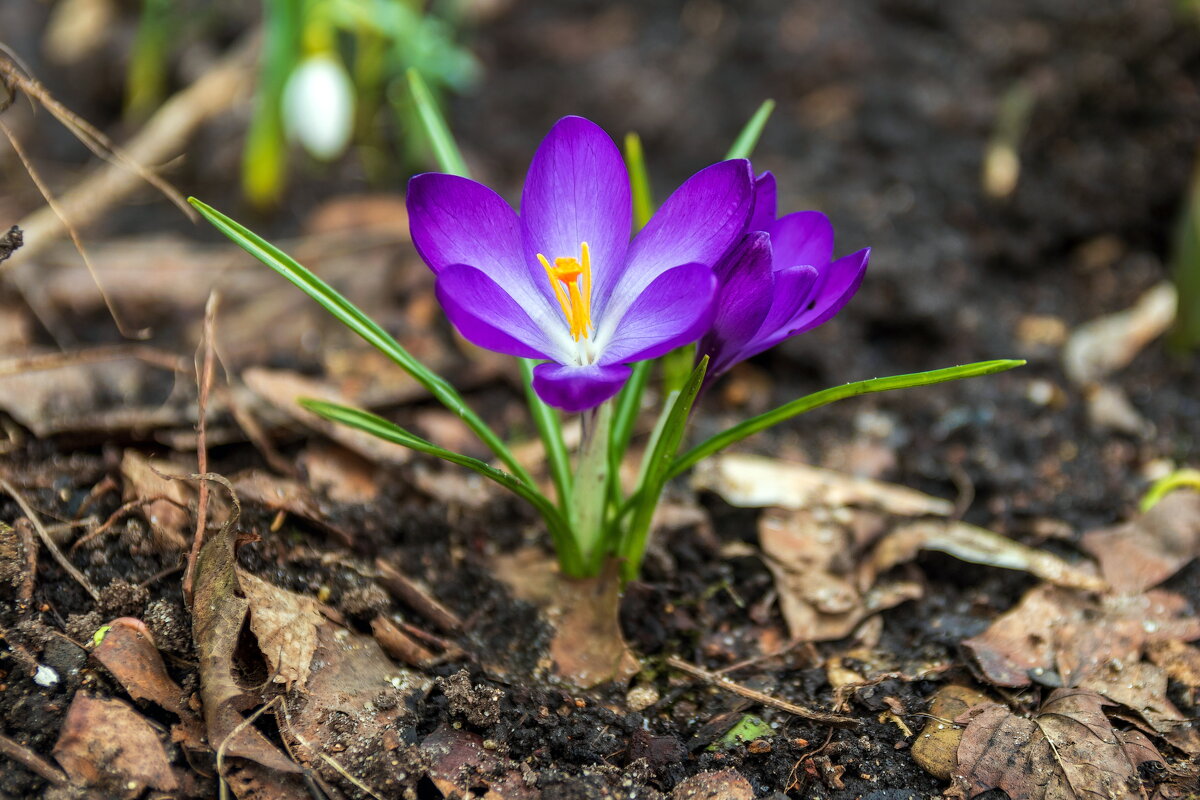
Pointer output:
572, 281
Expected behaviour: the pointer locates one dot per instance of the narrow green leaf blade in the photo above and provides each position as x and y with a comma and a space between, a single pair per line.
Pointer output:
832, 395
445, 149
655, 471
391, 432
743, 146
352, 317
549, 425
639, 181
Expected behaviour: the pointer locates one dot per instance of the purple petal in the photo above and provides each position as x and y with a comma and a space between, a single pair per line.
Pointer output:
746, 294
577, 190
676, 309
805, 237
764, 203
838, 283
488, 316
697, 224
793, 288
577, 388
454, 220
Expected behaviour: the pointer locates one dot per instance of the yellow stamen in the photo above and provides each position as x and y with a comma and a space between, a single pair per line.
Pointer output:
571, 279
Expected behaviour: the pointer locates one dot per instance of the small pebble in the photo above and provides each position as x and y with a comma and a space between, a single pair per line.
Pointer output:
639, 698
45, 676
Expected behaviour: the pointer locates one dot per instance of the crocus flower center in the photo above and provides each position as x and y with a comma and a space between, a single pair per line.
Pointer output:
572, 281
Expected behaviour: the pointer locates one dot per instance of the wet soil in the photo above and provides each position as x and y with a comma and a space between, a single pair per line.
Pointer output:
885, 112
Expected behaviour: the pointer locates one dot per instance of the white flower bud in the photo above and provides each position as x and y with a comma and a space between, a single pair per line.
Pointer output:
318, 106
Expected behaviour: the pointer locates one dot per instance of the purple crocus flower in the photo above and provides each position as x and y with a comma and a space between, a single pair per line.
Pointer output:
777, 282
563, 282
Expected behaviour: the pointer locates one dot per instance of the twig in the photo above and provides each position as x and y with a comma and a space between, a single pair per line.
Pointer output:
416, 598
31, 761
362, 787
24, 529
56, 209
91, 136
220, 88
204, 379
47, 541
150, 355
722, 682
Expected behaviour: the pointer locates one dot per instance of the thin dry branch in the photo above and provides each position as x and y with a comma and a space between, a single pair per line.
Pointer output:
219, 89
204, 379
722, 682
47, 540
31, 761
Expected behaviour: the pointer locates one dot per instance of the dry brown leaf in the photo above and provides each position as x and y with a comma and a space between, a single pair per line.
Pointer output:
978, 546
1150, 548
283, 390
1054, 630
354, 688
107, 745
218, 613
758, 482
1142, 688
1068, 751
128, 652
726, 784
91, 395
587, 647
285, 624
1098, 348
339, 473
285, 494
168, 517
459, 763
813, 558
1180, 660
936, 747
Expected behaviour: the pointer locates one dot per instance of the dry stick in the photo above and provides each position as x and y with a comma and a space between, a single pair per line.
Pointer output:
219, 89
31, 761
24, 529
54, 207
204, 379
91, 137
721, 682
42, 361
47, 541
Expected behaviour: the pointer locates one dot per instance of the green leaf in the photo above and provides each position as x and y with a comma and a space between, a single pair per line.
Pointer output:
743, 146
445, 150
389, 431
353, 318
827, 396
1179, 479
639, 181
549, 425
655, 470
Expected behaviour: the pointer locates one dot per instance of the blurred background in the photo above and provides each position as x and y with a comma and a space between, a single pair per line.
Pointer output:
1021, 169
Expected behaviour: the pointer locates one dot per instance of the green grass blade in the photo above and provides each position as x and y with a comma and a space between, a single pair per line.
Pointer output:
389, 431
743, 146
832, 395
549, 425
353, 318
656, 471
445, 150
639, 181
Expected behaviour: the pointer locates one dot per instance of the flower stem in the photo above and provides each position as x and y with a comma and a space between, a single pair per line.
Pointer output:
590, 490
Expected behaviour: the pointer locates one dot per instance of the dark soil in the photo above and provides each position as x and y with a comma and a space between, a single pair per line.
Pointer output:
885, 111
